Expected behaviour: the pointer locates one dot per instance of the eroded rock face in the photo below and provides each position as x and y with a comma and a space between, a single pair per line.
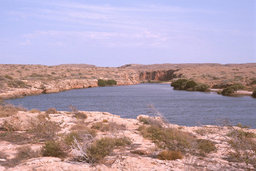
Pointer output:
123, 158
164, 75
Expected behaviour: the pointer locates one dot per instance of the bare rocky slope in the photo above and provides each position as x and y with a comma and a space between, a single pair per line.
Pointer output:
22, 80
80, 140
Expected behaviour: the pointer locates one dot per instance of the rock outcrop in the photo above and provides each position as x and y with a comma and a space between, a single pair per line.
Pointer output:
139, 155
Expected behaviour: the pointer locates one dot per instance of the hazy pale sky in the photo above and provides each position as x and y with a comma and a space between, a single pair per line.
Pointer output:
117, 32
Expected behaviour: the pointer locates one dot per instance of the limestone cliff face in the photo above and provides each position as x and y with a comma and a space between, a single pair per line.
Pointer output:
160, 75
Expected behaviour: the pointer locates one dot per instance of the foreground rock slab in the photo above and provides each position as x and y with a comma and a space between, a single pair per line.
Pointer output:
120, 159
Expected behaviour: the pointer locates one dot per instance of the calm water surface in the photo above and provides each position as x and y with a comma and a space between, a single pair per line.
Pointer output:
180, 107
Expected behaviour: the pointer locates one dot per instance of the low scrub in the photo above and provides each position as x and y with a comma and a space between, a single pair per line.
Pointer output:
44, 129
230, 90
173, 139
103, 147
23, 153
51, 111
107, 126
243, 147
17, 84
205, 146
169, 155
168, 138
254, 94
69, 138
81, 128
150, 121
189, 85
103, 83
53, 149
95, 151
9, 109
77, 114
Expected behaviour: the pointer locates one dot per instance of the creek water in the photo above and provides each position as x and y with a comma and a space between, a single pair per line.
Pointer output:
179, 107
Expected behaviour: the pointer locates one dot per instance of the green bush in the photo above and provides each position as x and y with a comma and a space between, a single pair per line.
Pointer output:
230, 90
202, 87
69, 138
103, 147
168, 138
179, 84
103, 83
190, 85
254, 94
52, 148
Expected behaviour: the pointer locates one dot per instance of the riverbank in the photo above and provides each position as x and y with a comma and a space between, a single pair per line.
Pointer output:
23, 80
237, 93
36, 88
209, 147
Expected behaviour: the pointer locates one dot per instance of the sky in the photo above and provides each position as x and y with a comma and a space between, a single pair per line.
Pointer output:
118, 32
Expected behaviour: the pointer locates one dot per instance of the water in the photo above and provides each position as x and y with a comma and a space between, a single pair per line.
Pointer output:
179, 107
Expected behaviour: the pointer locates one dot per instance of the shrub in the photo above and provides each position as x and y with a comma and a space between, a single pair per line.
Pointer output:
244, 147
107, 126
150, 121
241, 134
184, 84
17, 84
170, 138
103, 147
169, 155
23, 153
78, 115
139, 152
8, 77
44, 129
205, 146
202, 87
34, 111
81, 128
190, 85
52, 148
242, 126
179, 84
51, 111
9, 109
69, 138
230, 90
254, 94
103, 83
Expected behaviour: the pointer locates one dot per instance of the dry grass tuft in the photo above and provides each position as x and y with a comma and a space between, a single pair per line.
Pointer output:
34, 111
169, 155
107, 126
44, 129
243, 147
51, 111
205, 146
9, 110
